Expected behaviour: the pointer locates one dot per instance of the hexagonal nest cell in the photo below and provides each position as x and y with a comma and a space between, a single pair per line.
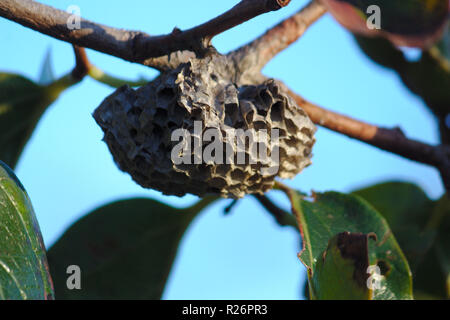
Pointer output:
198, 99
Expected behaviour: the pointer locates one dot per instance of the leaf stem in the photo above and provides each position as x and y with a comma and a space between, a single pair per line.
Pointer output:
100, 76
283, 218
201, 204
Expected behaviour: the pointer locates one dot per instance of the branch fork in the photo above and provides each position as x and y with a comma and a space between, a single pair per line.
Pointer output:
166, 52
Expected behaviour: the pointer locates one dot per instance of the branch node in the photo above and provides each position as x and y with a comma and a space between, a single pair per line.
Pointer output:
283, 3
82, 64
134, 46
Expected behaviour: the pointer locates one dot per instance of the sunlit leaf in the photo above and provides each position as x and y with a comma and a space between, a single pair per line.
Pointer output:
23, 264
333, 213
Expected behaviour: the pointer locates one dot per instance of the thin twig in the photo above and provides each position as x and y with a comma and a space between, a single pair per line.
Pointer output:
230, 206
132, 46
199, 38
84, 67
163, 52
283, 218
392, 140
82, 64
278, 38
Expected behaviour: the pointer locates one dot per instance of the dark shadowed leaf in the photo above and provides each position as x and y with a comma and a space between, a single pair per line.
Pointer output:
23, 264
333, 213
124, 250
441, 220
429, 77
421, 227
432, 276
443, 46
416, 23
407, 209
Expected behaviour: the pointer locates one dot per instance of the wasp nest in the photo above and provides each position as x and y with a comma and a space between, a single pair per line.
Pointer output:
197, 129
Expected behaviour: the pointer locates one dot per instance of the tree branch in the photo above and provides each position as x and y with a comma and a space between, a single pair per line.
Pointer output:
134, 46
167, 51
82, 64
199, 38
392, 140
278, 38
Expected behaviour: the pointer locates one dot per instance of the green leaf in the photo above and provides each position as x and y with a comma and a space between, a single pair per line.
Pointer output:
420, 77
432, 275
444, 45
382, 52
341, 272
442, 244
124, 250
22, 103
333, 213
422, 228
407, 209
47, 75
399, 202
23, 264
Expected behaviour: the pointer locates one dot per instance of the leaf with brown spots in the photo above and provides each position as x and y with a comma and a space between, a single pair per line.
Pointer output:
422, 228
341, 272
324, 219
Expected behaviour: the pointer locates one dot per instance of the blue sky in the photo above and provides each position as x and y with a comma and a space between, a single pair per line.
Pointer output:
68, 171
